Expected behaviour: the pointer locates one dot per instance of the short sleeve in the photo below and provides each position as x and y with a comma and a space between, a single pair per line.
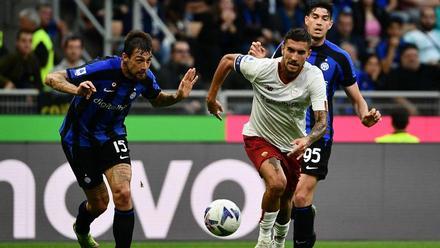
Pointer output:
152, 88
248, 66
318, 94
99, 69
348, 72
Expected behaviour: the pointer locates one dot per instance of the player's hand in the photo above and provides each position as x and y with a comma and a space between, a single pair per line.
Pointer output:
187, 83
257, 50
371, 118
86, 89
299, 146
215, 108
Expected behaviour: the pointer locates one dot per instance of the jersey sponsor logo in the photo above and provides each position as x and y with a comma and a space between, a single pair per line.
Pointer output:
324, 66
107, 90
105, 105
80, 71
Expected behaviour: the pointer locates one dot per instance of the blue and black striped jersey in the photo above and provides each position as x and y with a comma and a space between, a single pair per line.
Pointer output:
96, 120
338, 70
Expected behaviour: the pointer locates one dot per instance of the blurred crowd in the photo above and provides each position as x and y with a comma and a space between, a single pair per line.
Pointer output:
395, 44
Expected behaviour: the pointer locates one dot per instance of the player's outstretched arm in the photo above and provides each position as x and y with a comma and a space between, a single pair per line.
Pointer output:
58, 81
185, 87
367, 117
224, 67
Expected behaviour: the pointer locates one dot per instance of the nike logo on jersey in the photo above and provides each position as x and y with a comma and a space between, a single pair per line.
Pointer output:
311, 168
123, 157
107, 90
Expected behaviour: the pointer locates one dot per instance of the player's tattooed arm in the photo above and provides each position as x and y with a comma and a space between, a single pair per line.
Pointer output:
58, 81
185, 87
320, 126
300, 145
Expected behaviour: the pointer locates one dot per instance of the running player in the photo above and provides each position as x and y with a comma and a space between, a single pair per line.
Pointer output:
93, 133
275, 136
338, 71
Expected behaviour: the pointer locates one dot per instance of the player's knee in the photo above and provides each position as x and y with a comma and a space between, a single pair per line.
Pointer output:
301, 199
98, 207
277, 186
122, 197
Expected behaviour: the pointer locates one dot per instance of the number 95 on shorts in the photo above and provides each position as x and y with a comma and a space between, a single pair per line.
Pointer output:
315, 159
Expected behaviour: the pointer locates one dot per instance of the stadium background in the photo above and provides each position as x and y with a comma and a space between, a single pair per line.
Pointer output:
184, 158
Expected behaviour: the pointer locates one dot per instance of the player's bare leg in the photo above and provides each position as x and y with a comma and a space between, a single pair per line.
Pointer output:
276, 182
282, 223
119, 177
304, 234
96, 204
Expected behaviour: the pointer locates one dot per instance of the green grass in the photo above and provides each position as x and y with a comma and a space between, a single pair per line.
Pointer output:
235, 244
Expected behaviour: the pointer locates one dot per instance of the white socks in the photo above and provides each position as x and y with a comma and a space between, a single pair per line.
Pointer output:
280, 232
266, 225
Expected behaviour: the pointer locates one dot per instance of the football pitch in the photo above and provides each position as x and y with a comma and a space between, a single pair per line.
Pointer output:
234, 244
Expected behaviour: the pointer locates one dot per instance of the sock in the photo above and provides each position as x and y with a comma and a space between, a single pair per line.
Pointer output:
303, 224
266, 224
280, 231
123, 224
83, 219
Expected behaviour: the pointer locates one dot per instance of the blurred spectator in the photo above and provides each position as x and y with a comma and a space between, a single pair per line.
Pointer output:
41, 43
73, 49
253, 18
55, 29
172, 72
3, 50
229, 27
399, 121
369, 19
388, 5
411, 74
289, 15
205, 33
388, 48
20, 69
426, 38
343, 32
371, 77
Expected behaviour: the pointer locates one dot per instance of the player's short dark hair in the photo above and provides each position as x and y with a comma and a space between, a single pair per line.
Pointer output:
400, 118
298, 34
22, 31
325, 4
72, 38
137, 39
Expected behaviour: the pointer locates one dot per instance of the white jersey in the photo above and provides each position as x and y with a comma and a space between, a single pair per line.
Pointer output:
278, 109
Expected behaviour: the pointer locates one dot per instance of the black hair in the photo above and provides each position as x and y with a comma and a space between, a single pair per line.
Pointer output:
407, 46
298, 34
400, 118
173, 45
325, 4
71, 38
137, 39
395, 19
22, 31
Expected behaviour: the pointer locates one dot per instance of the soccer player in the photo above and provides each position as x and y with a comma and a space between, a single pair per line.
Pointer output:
93, 134
275, 136
338, 71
